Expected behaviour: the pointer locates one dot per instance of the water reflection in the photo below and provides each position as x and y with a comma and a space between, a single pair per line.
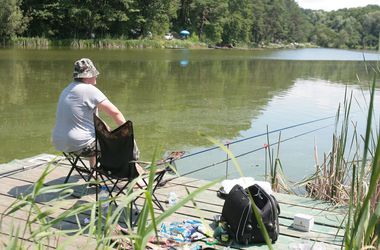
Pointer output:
218, 93
321, 54
185, 58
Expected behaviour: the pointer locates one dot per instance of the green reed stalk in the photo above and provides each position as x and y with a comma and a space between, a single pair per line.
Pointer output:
277, 176
43, 220
103, 43
364, 230
328, 182
144, 230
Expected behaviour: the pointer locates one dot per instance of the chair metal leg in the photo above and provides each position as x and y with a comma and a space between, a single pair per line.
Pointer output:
68, 176
91, 175
158, 180
72, 163
131, 215
113, 187
74, 160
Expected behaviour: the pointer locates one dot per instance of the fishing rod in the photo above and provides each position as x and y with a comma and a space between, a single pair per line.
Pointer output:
258, 135
249, 152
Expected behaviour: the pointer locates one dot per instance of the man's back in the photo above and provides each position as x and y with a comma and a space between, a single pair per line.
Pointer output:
74, 127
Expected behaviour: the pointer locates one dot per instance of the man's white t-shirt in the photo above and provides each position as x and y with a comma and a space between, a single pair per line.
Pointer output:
74, 128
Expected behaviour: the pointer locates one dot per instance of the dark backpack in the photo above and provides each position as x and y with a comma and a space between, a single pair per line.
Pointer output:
240, 217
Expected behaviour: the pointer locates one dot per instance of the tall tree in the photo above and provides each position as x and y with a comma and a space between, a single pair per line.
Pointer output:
12, 21
112, 17
45, 17
208, 19
152, 16
298, 27
258, 21
183, 20
276, 26
238, 24
371, 26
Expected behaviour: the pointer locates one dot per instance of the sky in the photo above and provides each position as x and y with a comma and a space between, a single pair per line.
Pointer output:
329, 5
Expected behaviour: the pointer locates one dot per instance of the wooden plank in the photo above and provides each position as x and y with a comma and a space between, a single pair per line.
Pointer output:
283, 242
281, 198
6, 240
209, 205
28, 163
209, 197
301, 205
189, 211
217, 209
321, 235
78, 242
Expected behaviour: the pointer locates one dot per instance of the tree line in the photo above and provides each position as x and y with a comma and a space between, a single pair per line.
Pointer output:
226, 22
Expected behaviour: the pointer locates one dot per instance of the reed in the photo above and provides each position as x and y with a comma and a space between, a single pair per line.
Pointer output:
30, 42
43, 221
330, 180
350, 174
363, 226
137, 44
277, 178
104, 43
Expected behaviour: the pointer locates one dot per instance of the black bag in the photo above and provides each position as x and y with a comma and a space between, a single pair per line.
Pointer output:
239, 214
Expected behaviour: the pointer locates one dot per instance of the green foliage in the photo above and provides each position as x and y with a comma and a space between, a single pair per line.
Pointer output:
12, 22
350, 174
149, 18
237, 25
224, 22
33, 42
346, 28
276, 29
207, 19
362, 229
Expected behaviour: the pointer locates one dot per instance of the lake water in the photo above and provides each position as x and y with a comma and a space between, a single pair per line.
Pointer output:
174, 97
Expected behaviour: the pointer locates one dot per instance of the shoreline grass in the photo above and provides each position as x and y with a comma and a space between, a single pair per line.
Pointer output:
145, 43
106, 43
121, 43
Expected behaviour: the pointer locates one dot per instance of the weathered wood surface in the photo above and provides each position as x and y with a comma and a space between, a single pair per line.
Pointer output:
18, 178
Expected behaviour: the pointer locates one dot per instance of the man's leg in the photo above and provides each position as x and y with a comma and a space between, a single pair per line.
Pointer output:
92, 161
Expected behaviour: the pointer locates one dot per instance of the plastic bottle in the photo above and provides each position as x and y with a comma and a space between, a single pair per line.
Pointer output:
172, 198
103, 196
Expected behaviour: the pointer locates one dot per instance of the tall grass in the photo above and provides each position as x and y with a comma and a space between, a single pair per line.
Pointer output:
141, 43
363, 227
330, 180
43, 220
350, 174
104, 43
30, 42
276, 175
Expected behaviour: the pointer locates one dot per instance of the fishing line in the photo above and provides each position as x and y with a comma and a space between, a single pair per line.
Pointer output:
249, 152
258, 135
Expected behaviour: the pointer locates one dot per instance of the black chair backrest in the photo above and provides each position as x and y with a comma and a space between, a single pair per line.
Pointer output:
116, 149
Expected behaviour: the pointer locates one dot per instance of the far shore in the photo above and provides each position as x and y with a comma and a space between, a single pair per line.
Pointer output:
108, 43
153, 43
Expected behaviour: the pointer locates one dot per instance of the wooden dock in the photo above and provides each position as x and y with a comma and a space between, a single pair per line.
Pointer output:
18, 177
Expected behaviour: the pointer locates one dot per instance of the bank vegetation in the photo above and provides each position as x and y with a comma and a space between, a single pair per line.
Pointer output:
222, 23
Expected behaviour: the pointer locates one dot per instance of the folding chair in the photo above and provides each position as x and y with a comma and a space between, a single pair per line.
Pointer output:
115, 163
78, 164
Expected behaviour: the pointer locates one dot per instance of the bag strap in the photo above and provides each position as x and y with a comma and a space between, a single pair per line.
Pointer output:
277, 204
